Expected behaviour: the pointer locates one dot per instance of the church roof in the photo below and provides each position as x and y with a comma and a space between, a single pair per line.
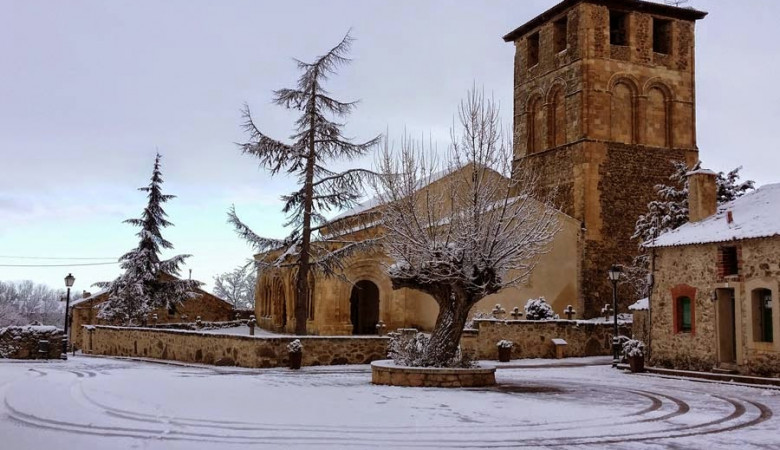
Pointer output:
754, 215
634, 5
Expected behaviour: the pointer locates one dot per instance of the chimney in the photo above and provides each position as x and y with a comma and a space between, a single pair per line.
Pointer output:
702, 194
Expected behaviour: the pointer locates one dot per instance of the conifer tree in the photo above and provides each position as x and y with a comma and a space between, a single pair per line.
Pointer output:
148, 282
670, 212
317, 140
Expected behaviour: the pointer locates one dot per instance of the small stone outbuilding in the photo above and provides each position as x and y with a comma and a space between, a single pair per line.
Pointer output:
208, 307
715, 300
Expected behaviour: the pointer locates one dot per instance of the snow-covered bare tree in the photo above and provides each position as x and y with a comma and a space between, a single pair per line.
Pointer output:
670, 211
464, 233
23, 302
148, 282
318, 139
237, 286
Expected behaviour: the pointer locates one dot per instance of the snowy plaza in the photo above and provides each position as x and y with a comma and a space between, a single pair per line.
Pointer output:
102, 403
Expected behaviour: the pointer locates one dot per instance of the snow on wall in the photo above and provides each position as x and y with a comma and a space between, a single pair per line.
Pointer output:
230, 350
533, 338
754, 215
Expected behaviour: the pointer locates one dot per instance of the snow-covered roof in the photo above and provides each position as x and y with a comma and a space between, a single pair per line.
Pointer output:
86, 299
643, 304
376, 201
755, 215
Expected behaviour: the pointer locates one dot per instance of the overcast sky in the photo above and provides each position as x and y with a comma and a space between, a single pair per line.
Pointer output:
90, 90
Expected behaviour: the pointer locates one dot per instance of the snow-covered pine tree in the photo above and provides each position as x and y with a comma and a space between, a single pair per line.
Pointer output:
317, 140
148, 282
464, 233
670, 211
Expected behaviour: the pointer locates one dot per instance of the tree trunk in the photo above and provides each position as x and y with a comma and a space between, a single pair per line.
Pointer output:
302, 288
445, 338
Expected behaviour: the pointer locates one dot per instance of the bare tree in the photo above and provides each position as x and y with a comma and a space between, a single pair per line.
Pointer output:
317, 140
24, 301
465, 233
237, 286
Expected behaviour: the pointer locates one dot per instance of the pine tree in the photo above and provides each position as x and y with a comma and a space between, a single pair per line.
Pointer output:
148, 282
670, 212
317, 139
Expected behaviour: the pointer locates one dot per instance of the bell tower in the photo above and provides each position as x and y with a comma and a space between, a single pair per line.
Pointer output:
604, 101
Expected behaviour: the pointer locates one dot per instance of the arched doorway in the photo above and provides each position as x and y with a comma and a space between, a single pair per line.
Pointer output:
364, 307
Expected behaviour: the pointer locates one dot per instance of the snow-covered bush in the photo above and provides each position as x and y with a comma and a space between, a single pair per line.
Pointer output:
633, 348
295, 346
503, 343
410, 350
539, 309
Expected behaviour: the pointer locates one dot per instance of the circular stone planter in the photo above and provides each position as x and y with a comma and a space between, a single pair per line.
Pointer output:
388, 373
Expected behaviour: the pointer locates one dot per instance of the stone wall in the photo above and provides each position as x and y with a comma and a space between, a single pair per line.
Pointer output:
533, 339
229, 350
22, 342
641, 326
206, 306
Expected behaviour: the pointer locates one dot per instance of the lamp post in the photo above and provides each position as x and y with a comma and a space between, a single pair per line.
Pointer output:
68, 283
614, 277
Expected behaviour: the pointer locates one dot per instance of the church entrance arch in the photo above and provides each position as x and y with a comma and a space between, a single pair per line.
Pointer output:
364, 307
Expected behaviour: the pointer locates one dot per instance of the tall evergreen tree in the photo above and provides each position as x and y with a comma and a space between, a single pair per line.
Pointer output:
670, 211
148, 282
317, 139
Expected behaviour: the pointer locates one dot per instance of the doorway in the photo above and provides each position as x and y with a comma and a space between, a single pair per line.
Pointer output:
364, 307
727, 334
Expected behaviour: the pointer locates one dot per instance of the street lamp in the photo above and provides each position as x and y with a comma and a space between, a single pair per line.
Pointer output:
614, 277
69, 280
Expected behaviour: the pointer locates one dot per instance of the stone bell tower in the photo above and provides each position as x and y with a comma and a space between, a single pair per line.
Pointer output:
604, 100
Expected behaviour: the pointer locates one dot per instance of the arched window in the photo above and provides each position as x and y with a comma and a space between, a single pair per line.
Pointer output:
311, 299
762, 315
622, 113
657, 120
536, 138
558, 122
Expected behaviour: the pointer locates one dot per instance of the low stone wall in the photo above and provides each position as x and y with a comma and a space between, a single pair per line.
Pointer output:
533, 339
387, 373
230, 350
22, 342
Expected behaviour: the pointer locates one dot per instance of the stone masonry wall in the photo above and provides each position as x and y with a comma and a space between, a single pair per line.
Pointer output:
229, 350
22, 342
533, 339
692, 270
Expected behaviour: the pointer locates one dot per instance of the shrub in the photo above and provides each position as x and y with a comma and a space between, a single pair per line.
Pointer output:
633, 348
295, 346
410, 350
503, 343
539, 309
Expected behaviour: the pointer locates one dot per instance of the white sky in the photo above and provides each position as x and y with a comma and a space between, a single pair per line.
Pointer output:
91, 89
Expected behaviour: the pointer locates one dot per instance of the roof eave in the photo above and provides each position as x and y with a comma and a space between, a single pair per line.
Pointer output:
653, 8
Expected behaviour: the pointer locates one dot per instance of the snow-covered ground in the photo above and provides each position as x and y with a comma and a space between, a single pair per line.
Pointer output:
99, 403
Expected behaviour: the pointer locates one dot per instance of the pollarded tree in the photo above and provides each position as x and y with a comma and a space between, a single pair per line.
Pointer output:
318, 139
148, 282
465, 235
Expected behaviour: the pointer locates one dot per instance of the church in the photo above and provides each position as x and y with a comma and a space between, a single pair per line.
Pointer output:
604, 102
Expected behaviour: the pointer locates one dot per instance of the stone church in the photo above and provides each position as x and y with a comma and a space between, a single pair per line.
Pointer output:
604, 101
